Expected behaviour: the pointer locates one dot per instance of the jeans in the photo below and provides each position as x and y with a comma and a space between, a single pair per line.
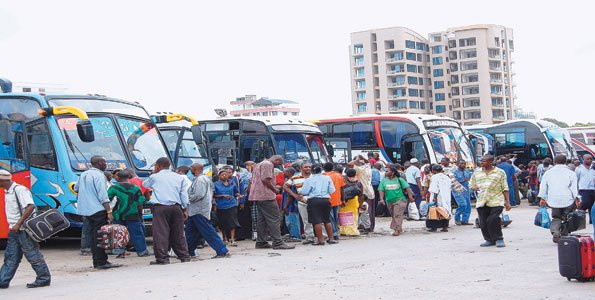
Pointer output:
269, 222
558, 216
198, 227
95, 222
335, 220
490, 222
463, 212
20, 244
416, 194
85, 236
292, 221
137, 235
511, 194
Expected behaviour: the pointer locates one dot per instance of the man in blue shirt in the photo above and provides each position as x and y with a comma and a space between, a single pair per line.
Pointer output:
463, 198
93, 204
586, 184
170, 198
510, 177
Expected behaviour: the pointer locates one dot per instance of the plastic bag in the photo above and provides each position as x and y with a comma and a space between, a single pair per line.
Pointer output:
346, 218
542, 218
412, 212
423, 208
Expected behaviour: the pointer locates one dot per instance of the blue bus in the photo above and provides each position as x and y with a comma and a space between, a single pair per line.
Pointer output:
48, 140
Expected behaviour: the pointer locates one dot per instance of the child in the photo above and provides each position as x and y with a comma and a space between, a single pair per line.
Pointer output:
226, 206
364, 217
128, 212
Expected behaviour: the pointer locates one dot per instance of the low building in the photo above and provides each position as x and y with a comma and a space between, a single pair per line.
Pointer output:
251, 106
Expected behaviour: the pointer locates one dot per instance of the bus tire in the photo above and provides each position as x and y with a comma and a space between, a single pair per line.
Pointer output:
3, 244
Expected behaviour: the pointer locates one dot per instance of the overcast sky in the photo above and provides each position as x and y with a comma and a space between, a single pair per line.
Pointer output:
193, 56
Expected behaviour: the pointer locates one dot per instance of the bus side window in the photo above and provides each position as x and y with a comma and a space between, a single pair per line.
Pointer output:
41, 150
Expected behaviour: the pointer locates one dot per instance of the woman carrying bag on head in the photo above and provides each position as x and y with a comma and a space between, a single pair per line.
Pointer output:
440, 193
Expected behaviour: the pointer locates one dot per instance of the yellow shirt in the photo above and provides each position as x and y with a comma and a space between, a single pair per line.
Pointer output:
491, 186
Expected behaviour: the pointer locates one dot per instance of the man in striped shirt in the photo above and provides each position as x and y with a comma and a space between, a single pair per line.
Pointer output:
492, 197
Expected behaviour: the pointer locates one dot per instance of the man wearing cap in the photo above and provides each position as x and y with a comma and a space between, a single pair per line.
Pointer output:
413, 177
19, 207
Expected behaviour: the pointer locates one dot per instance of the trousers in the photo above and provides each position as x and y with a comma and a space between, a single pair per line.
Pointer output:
95, 222
269, 222
198, 227
168, 231
490, 222
20, 244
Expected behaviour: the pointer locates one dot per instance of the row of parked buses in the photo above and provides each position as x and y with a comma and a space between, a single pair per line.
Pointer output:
46, 141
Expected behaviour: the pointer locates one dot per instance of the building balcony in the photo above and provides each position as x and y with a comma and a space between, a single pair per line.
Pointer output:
498, 117
396, 97
392, 72
392, 60
496, 93
495, 80
397, 109
496, 69
359, 89
395, 84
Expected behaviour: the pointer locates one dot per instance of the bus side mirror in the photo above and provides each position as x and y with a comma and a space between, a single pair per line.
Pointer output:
85, 131
197, 134
6, 134
330, 149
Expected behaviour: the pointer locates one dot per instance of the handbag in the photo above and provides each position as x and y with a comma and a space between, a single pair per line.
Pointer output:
346, 218
45, 225
351, 191
433, 213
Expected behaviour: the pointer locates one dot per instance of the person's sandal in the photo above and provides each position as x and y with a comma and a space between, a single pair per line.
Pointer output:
318, 244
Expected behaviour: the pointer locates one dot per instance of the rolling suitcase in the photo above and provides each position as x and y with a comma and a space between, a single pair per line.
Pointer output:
112, 236
576, 257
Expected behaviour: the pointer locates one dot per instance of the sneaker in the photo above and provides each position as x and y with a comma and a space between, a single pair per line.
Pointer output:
500, 244
185, 260
225, 255
4, 286
308, 242
108, 266
264, 245
458, 223
556, 237
486, 244
283, 247
37, 284
159, 262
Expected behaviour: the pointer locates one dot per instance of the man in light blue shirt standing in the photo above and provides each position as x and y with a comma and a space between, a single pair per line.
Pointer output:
170, 199
586, 184
413, 177
93, 204
558, 190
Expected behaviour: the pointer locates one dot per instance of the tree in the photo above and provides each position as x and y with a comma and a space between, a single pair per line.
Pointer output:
559, 123
577, 124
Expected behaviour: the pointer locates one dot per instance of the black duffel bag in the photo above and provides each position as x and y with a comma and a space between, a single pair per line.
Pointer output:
575, 220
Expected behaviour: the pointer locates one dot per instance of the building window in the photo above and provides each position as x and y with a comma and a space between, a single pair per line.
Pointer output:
436, 49
440, 108
360, 84
436, 38
456, 115
452, 43
438, 72
438, 84
471, 102
469, 65
359, 61
421, 46
471, 90
358, 49
389, 44
411, 68
413, 104
421, 93
468, 53
455, 91
454, 79
360, 96
469, 77
497, 102
456, 103
452, 55
422, 105
362, 108
410, 56
496, 89
411, 79
420, 69
413, 93
472, 114
421, 81
467, 42
399, 93
511, 45
359, 72
396, 56
439, 96
494, 53
409, 44
495, 65
454, 67
419, 57
437, 61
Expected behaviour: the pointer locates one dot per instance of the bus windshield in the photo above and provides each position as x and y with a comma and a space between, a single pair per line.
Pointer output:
106, 143
292, 146
560, 141
189, 152
450, 142
142, 142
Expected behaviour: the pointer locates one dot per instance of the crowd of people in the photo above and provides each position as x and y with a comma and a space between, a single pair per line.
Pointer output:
296, 202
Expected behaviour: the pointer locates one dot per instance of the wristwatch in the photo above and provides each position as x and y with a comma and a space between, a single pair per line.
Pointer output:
109, 211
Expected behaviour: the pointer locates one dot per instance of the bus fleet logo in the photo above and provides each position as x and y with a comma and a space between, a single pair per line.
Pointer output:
440, 123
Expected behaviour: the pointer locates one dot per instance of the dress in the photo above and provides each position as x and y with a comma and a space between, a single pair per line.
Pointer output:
352, 206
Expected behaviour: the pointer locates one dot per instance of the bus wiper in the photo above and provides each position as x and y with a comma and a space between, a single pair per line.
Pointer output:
73, 147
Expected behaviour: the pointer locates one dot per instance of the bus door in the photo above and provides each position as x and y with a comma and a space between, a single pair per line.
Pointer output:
255, 148
187, 150
341, 150
13, 158
412, 146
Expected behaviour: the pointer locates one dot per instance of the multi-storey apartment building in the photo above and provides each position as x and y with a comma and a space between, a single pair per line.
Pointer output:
466, 73
389, 71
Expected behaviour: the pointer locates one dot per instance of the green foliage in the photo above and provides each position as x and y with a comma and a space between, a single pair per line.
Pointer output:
559, 123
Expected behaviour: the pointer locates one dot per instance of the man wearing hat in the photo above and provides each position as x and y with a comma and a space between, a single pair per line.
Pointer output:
413, 177
19, 242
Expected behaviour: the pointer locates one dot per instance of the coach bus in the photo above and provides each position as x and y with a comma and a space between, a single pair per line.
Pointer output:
528, 139
48, 140
401, 137
232, 141
584, 135
481, 144
184, 140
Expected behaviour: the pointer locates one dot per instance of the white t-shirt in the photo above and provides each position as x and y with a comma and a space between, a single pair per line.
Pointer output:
440, 184
411, 174
12, 209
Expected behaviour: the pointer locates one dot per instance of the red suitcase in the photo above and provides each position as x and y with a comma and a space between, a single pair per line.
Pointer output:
576, 257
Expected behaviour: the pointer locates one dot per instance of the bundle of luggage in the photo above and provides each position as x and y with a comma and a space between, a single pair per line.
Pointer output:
112, 236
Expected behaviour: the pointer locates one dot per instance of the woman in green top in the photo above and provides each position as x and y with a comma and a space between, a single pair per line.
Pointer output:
392, 195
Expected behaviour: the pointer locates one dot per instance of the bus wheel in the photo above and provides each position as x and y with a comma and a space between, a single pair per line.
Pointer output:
3, 244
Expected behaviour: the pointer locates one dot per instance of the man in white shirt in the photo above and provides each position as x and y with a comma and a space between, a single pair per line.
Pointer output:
559, 191
19, 242
413, 177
